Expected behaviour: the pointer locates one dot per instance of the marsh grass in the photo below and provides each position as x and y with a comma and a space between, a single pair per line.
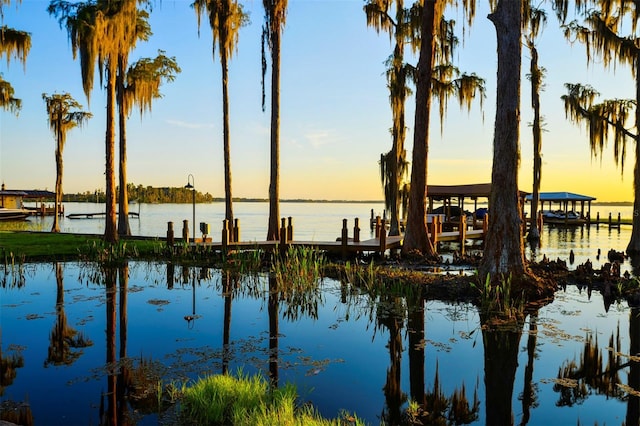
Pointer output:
244, 262
300, 268
497, 300
245, 400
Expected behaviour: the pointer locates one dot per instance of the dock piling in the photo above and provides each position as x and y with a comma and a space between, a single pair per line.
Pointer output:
225, 235
462, 229
185, 231
290, 229
283, 236
170, 234
356, 230
383, 241
344, 238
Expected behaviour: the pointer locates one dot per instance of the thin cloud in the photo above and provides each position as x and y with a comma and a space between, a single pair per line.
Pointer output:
187, 125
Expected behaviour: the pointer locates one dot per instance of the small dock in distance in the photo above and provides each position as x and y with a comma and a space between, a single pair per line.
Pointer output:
96, 215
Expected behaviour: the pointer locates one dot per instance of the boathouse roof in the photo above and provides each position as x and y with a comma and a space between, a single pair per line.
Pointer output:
474, 190
562, 196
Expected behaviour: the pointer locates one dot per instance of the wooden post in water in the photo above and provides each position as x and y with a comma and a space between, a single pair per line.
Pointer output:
597, 219
378, 226
236, 230
485, 227
185, 231
356, 230
435, 229
462, 230
609, 219
383, 240
170, 234
225, 235
540, 222
283, 236
290, 229
618, 220
372, 221
344, 239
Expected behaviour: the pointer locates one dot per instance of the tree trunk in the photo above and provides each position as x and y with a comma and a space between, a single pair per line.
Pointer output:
534, 232
123, 204
504, 250
56, 225
228, 198
274, 185
634, 243
416, 237
110, 231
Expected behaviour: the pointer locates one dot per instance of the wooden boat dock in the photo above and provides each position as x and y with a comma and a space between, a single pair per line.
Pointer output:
345, 244
96, 215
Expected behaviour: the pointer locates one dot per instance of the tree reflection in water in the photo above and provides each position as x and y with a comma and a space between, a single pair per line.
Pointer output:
433, 407
529, 396
577, 380
63, 339
501, 339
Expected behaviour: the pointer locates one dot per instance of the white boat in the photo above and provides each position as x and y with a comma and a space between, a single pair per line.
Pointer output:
13, 214
561, 217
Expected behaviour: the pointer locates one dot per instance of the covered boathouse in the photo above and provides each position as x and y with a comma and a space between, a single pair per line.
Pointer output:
565, 203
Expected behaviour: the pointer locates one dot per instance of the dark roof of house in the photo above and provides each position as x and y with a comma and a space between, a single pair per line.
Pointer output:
14, 193
35, 193
562, 196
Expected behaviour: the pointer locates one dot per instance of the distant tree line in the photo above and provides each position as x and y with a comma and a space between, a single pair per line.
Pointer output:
145, 194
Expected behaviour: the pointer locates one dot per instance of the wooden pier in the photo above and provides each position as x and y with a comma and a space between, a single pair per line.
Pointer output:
95, 215
345, 244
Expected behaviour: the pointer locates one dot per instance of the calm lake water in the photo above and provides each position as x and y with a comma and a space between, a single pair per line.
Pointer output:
74, 332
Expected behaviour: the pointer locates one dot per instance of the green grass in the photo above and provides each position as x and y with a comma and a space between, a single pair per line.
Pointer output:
244, 400
58, 246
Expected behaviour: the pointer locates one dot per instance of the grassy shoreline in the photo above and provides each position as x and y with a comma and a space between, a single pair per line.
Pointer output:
47, 246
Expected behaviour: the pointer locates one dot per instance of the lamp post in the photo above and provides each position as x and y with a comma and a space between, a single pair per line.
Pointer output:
191, 184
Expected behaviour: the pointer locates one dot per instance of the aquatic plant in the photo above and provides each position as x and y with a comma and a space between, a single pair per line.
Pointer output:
244, 262
496, 300
299, 268
245, 400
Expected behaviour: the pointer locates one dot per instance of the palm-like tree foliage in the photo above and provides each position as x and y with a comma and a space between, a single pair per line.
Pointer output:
13, 44
275, 12
7, 101
102, 32
64, 113
226, 17
435, 77
609, 120
393, 164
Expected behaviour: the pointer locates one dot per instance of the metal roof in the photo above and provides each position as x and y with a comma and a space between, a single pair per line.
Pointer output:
562, 196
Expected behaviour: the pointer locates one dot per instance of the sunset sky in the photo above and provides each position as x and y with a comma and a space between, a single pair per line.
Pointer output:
335, 115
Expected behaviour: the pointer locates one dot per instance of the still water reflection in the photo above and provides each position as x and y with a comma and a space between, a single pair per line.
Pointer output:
82, 344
